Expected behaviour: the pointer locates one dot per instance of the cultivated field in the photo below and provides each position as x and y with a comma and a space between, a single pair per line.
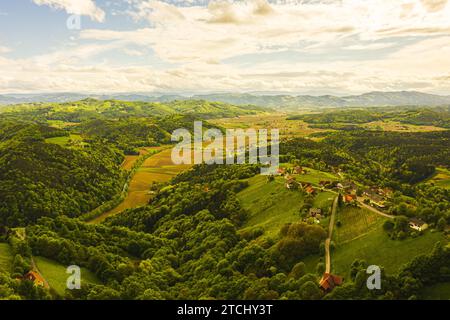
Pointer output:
288, 128
129, 161
399, 127
157, 168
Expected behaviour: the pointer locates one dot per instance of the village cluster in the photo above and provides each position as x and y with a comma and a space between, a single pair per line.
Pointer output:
351, 194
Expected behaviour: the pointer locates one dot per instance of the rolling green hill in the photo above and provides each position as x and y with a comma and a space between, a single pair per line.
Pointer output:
271, 205
89, 109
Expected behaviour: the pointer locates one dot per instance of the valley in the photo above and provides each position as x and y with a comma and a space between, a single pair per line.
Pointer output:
188, 153
157, 168
354, 188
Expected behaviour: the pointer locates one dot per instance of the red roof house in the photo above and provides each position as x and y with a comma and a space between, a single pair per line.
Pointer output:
36, 278
330, 281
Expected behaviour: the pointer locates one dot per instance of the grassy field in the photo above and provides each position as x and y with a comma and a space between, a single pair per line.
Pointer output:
441, 178
56, 275
399, 127
311, 263
439, 291
61, 124
271, 205
323, 200
64, 141
6, 257
315, 176
376, 248
288, 128
355, 223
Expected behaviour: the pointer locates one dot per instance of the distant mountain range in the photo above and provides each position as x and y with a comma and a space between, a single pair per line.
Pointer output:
379, 98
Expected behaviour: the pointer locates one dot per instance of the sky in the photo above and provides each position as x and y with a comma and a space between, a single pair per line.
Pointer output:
198, 46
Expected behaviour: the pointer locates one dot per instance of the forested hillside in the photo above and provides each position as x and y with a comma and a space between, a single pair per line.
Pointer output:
439, 117
44, 179
89, 109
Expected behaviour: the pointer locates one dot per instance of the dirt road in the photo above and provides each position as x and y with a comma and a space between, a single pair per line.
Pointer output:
330, 234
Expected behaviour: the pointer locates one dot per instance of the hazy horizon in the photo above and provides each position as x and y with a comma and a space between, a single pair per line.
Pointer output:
191, 94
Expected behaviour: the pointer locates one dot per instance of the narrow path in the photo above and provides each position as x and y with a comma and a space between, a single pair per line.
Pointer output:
330, 234
36, 269
21, 233
375, 210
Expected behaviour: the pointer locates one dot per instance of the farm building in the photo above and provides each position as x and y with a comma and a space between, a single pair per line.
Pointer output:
348, 198
310, 190
417, 224
299, 170
315, 211
330, 281
35, 277
291, 183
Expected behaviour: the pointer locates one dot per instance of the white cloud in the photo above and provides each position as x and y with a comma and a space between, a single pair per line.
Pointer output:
348, 46
80, 7
228, 29
370, 46
133, 52
4, 50
434, 5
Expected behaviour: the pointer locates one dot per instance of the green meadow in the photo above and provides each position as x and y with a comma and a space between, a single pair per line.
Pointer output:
315, 176
6, 258
355, 222
65, 140
56, 275
376, 248
270, 204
